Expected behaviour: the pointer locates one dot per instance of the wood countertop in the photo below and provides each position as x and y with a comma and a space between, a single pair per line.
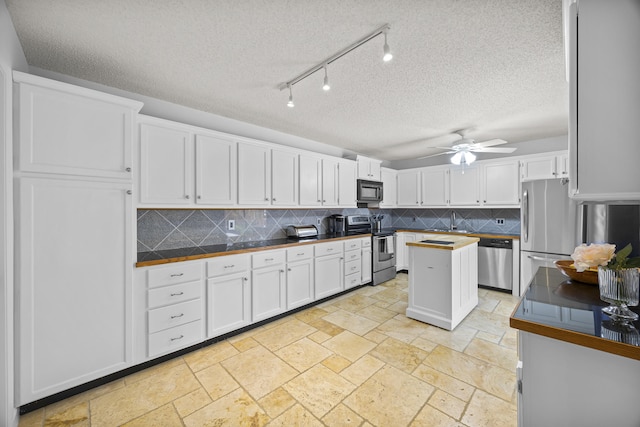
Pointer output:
449, 242
578, 315
146, 259
455, 233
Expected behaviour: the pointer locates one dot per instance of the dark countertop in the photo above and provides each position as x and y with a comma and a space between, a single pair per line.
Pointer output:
186, 254
559, 308
467, 233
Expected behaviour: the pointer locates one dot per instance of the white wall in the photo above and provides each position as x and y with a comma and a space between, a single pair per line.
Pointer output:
11, 57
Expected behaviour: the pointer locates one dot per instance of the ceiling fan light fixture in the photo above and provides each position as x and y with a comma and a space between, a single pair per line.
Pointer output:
290, 104
463, 158
326, 86
468, 157
456, 158
388, 56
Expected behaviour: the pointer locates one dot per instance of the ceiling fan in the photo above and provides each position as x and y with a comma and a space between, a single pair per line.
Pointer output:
464, 149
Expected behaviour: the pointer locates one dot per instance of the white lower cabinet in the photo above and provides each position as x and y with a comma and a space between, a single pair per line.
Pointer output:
352, 263
329, 269
402, 250
73, 283
300, 277
268, 285
367, 261
228, 294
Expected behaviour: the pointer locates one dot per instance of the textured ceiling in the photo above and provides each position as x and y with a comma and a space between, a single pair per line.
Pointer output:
492, 67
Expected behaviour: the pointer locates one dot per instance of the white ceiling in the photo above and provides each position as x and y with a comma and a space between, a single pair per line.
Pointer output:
492, 67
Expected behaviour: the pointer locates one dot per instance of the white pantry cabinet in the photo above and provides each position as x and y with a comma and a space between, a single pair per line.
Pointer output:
464, 184
74, 252
228, 294
389, 179
70, 130
500, 183
604, 100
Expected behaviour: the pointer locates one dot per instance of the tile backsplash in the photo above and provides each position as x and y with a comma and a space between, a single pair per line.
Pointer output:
162, 229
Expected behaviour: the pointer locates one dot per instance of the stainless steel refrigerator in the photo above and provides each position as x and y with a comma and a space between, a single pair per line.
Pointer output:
552, 225
549, 226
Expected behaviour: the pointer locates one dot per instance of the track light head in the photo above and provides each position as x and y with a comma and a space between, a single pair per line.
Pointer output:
387, 52
326, 86
290, 104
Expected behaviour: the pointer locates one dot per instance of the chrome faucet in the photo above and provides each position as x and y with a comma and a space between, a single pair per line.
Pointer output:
453, 225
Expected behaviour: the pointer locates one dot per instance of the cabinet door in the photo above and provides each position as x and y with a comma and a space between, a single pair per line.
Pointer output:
464, 186
408, 189
268, 292
216, 171
402, 257
435, 187
367, 272
329, 272
374, 170
81, 133
501, 184
310, 181
329, 182
299, 283
389, 188
166, 165
228, 303
347, 184
254, 175
562, 162
539, 168
74, 257
284, 178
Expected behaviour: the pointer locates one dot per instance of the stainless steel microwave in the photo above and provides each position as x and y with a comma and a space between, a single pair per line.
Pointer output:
369, 191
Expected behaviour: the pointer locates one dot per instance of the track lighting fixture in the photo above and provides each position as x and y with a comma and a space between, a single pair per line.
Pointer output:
326, 85
388, 56
323, 65
290, 104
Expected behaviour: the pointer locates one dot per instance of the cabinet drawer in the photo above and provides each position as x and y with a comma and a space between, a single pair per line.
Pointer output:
366, 243
352, 267
352, 256
352, 244
264, 259
352, 280
174, 315
228, 264
175, 338
179, 273
299, 252
329, 248
173, 294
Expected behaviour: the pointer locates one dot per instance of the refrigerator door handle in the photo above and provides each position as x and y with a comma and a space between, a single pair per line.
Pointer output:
525, 215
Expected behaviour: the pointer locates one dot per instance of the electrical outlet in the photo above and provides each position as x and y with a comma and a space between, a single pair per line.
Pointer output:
231, 225
318, 222
500, 221
414, 219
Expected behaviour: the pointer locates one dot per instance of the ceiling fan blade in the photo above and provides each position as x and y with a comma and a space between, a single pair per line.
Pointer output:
493, 150
491, 142
434, 155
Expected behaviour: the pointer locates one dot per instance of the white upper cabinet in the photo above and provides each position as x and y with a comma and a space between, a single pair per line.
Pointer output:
310, 180
70, 130
604, 99
166, 165
347, 184
284, 178
501, 186
389, 188
409, 188
547, 166
435, 187
254, 175
369, 168
329, 182
464, 184
216, 171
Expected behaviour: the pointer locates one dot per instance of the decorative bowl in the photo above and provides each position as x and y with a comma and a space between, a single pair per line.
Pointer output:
568, 269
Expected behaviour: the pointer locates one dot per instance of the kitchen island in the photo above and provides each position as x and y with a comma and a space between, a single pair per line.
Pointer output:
576, 366
443, 279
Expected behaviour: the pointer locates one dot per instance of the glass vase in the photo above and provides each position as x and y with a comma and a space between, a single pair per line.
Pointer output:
620, 288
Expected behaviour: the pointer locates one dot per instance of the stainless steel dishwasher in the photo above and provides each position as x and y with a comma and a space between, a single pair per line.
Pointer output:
495, 263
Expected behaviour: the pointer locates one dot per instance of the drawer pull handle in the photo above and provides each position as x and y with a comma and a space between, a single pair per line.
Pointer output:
229, 266
288, 269
281, 271
353, 268
300, 254
268, 259
177, 316
177, 338
177, 275
245, 279
175, 294
329, 249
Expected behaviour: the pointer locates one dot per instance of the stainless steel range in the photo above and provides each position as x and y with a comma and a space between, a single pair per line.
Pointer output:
383, 247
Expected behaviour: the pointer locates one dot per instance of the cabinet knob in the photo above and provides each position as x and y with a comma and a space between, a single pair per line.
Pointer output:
186, 197
324, 201
199, 197
274, 199
477, 201
245, 279
129, 192
128, 169
288, 269
281, 271
266, 199
318, 200
484, 201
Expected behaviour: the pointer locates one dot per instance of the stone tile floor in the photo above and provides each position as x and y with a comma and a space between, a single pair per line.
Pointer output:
356, 360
